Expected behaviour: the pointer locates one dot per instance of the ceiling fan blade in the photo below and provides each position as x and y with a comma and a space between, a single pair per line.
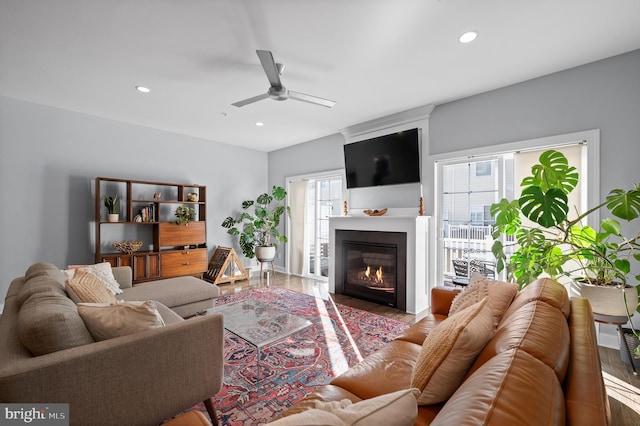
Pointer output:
311, 99
251, 100
270, 68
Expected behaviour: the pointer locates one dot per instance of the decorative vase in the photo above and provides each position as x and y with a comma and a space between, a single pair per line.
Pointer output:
608, 300
265, 253
113, 217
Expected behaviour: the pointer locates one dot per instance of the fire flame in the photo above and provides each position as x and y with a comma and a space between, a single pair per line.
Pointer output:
378, 275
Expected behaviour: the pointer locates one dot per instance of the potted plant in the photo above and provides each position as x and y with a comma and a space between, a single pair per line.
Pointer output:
185, 214
554, 241
258, 222
111, 203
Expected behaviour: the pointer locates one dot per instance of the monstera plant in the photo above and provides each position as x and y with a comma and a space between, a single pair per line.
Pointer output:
258, 222
552, 238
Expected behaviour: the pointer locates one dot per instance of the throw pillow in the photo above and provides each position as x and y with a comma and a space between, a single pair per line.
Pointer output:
449, 350
500, 295
89, 289
393, 409
101, 270
109, 320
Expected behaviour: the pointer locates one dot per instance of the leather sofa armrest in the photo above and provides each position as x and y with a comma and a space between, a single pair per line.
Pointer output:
124, 276
584, 388
441, 298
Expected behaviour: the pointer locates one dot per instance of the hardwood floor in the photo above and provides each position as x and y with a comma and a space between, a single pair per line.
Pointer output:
623, 388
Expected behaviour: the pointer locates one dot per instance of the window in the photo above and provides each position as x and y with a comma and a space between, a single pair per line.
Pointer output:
484, 168
467, 189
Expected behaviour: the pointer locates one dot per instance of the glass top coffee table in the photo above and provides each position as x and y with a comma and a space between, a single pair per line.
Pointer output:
258, 324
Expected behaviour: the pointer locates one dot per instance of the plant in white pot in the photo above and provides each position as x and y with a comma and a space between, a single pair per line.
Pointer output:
111, 203
258, 223
556, 242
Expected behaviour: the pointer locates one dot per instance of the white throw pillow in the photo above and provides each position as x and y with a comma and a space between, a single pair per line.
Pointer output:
109, 320
101, 270
393, 409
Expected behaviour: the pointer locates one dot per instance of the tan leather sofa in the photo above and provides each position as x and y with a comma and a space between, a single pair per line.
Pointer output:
138, 379
540, 368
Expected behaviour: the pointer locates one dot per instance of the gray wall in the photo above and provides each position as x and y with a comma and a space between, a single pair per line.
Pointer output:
49, 158
318, 155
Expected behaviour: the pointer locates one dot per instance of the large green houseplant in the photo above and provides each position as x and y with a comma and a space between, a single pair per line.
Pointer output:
556, 241
259, 221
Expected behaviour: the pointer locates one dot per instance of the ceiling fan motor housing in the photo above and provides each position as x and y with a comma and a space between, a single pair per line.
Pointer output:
278, 93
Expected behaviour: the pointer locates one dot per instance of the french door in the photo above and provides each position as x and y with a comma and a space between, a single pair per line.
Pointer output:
313, 199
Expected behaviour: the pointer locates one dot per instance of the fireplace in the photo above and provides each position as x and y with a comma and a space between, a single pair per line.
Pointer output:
371, 265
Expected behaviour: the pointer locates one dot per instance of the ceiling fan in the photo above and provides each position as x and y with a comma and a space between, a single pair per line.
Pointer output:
277, 91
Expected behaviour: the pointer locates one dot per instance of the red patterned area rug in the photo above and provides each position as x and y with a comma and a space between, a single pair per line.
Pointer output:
339, 337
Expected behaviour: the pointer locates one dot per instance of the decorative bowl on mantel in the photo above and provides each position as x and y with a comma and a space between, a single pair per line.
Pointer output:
127, 247
376, 212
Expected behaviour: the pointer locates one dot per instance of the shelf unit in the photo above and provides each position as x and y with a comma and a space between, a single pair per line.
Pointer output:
147, 213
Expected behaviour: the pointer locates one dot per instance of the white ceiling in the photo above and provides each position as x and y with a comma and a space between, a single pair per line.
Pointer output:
373, 57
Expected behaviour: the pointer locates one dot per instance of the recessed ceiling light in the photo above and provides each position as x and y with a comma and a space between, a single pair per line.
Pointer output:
259, 124
143, 89
468, 37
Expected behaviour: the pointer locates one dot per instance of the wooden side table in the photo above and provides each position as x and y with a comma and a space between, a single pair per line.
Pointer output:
618, 321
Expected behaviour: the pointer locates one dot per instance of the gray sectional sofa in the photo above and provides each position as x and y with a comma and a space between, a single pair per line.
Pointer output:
47, 355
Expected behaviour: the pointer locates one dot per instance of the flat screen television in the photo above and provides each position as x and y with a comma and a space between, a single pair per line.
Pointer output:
385, 160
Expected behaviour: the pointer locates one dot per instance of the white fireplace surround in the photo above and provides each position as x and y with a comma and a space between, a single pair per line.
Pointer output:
417, 229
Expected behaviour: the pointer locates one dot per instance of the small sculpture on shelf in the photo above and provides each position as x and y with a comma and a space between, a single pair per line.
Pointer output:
375, 212
185, 214
157, 196
192, 196
127, 247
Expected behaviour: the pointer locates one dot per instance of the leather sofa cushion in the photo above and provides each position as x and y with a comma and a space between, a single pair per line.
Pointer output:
545, 289
419, 331
387, 370
49, 322
536, 328
506, 398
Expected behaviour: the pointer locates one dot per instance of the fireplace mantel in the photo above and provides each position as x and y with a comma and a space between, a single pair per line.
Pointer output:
417, 229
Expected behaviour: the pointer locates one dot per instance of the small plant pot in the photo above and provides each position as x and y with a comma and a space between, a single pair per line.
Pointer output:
633, 342
113, 217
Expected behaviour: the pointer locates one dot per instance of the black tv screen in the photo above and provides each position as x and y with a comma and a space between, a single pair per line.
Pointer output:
385, 160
